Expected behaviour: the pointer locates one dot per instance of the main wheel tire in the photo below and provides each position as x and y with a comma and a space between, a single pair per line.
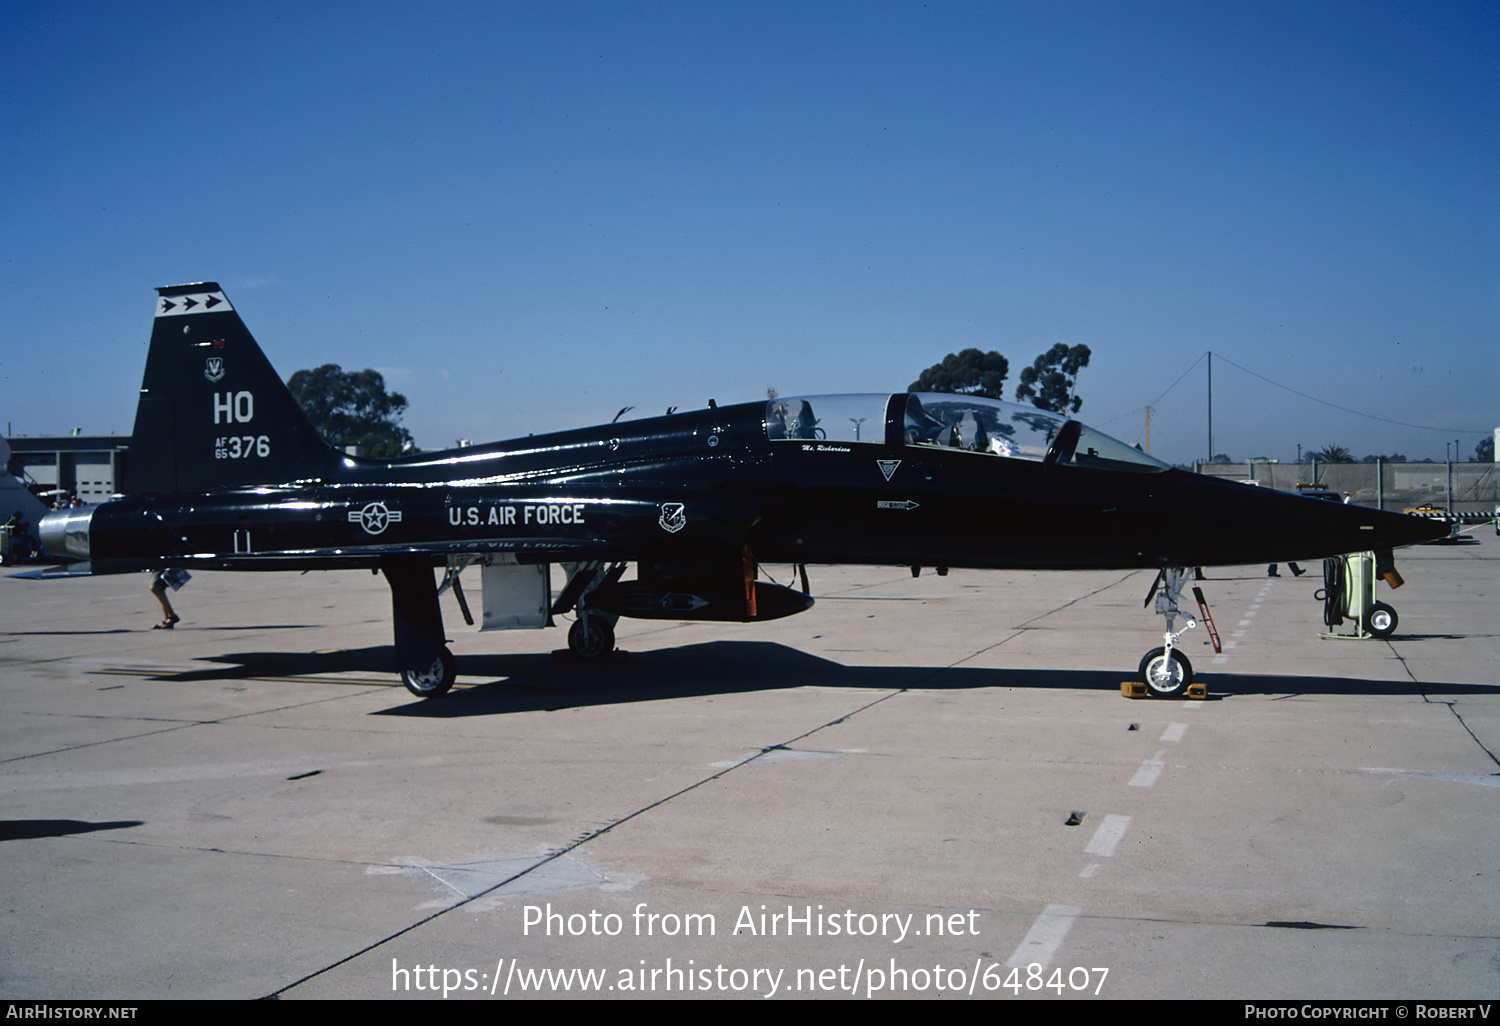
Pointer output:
1166, 678
434, 681
1382, 620
595, 642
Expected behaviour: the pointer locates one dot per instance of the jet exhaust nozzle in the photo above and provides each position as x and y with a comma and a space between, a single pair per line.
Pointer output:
65, 532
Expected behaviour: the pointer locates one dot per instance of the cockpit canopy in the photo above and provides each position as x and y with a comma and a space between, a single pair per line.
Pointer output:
951, 421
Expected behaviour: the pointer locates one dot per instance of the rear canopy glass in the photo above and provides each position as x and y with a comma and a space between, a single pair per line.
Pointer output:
1014, 431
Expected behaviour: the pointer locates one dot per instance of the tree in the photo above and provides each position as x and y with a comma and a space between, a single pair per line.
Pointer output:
352, 408
1484, 452
967, 373
1049, 382
1334, 454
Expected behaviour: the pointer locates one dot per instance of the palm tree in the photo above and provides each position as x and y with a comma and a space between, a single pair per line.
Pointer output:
1334, 454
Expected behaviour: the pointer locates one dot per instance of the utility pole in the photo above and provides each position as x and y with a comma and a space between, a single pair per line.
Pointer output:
1210, 406
1148, 430
1450, 473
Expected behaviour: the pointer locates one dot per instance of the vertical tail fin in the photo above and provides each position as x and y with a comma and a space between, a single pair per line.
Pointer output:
213, 413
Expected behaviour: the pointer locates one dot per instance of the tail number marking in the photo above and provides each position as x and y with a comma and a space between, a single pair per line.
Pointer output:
236, 447
234, 407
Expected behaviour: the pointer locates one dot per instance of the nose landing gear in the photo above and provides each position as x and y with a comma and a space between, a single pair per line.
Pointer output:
1166, 670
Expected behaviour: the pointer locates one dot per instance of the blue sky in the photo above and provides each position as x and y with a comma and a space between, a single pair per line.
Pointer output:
530, 215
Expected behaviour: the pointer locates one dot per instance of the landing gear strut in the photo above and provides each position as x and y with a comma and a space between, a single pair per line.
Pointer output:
422, 656
1166, 670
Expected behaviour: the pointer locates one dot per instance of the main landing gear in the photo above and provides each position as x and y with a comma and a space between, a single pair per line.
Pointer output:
1166, 670
592, 635
422, 655
435, 680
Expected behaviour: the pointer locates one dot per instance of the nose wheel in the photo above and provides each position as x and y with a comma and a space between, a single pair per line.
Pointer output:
1167, 674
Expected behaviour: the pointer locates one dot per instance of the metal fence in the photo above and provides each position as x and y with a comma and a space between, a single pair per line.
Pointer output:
1472, 487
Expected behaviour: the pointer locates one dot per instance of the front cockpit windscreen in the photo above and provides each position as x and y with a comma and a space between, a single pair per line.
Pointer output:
979, 425
827, 418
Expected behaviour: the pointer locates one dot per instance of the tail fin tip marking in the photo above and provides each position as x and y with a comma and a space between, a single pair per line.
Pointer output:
201, 297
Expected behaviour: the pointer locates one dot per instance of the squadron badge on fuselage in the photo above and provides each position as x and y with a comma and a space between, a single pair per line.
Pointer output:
673, 517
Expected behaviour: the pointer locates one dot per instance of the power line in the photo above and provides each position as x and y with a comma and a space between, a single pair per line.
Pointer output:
1345, 409
1179, 379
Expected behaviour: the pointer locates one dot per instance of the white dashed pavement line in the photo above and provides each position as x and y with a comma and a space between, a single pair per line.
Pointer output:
1174, 732
1108, 836
1146, 775
1045, 936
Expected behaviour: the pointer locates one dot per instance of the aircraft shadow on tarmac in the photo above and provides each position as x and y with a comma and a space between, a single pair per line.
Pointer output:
500, 684
44, 634
185, 628
25, 829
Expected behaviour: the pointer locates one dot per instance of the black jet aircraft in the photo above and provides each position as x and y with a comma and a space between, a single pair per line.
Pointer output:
226, 473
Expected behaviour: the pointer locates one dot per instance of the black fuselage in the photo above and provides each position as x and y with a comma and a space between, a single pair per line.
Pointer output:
600, 493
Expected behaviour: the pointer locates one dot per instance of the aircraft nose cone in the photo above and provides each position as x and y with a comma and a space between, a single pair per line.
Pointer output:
1383, 531
1415, 530
1319, 528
